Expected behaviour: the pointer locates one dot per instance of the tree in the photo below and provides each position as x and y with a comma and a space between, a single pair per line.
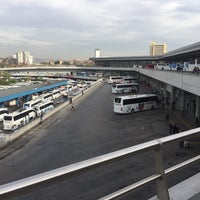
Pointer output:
57, 62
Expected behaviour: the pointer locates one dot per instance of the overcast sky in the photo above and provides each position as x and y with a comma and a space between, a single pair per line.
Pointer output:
72, 29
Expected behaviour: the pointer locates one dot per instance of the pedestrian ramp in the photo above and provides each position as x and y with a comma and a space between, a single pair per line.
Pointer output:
186, 190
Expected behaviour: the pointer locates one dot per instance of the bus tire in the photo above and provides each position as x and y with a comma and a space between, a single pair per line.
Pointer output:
152, 108
132, 111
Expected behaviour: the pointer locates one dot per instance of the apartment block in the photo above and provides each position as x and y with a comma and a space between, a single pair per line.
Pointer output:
157, 49
24, 58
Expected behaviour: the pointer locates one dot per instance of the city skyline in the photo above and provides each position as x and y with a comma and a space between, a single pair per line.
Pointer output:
73, 30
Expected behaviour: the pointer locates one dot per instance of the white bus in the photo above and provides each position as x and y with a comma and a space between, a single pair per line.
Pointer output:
47, 97
18, 118
115, 79
63, 90
135, 103
44, 107
99, 75
32, 103
35, 96
130, 79
56, 93
125, 88
3, 112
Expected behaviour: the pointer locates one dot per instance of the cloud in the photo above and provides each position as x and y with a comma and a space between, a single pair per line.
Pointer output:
73, 29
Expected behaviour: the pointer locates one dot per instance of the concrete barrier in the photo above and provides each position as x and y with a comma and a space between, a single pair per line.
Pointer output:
5, 139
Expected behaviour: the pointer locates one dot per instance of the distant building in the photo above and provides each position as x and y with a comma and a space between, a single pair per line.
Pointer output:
31, 60
20, 59
51, 62
24, 58
12, 60
97, 53
157, 49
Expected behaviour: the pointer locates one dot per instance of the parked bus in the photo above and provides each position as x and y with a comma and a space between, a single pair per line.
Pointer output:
32, 103
35, 96
135, 103
56, 93
18, 118
3, 112
130, 79
47, 97
99, 75
44, 107
72, 82
125, 88
63, 90
115, 79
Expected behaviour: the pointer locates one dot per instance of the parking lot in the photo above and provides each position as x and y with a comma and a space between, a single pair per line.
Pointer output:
93, 129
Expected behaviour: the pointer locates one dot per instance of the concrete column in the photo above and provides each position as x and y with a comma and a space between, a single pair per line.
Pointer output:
161, 184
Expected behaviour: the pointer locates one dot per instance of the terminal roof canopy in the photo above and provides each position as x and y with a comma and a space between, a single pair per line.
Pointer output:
185, 53
29, 92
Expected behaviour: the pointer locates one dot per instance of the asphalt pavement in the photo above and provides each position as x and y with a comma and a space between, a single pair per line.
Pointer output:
92, 130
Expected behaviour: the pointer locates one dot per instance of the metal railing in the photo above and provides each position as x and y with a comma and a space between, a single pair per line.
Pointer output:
15, 188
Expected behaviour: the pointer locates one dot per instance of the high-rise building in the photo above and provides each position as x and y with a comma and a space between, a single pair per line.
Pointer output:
24, 58
157, 49
19, 57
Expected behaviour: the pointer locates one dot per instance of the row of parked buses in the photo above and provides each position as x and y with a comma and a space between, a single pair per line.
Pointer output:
134, 102
43, 98
124, 84
39, 104
22, 117
30, 110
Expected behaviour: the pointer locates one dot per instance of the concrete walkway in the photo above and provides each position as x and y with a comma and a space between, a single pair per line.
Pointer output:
186, 190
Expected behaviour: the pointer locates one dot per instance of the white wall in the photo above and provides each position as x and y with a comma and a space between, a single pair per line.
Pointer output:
186, 81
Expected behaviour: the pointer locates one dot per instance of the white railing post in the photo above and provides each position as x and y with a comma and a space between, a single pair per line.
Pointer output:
161, 184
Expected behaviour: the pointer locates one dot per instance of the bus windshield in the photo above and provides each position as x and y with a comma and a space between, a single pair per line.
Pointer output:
117, 100
8, 118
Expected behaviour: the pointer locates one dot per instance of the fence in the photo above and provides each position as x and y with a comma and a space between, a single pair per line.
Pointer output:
15, 188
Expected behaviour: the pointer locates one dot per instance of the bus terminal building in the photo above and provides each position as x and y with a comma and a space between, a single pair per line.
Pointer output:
178, 87
172, 76
189, 54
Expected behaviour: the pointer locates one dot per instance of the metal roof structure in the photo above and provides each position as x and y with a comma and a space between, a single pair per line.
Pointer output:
183, 50
129, 58
28, 92
189, 51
